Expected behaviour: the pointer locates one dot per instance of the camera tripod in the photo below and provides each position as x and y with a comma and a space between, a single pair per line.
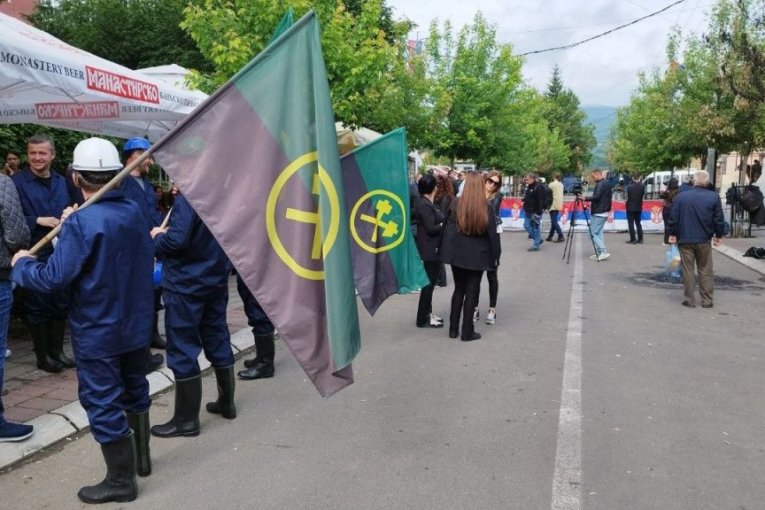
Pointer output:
579, 206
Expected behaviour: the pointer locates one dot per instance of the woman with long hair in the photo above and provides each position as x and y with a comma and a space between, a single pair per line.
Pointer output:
430, 222
668, 196
471, 246
443, 201
492, 184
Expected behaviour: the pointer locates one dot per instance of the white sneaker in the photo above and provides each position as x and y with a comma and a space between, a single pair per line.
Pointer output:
436, 318
476, 315
491, 317
603, 256
593, 257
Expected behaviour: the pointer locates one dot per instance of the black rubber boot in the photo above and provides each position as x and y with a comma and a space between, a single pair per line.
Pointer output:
262, 367
188, 400
153, 361
139, 424
119, 484
264, 349
224, 406
156, 339
56, 330
39, 334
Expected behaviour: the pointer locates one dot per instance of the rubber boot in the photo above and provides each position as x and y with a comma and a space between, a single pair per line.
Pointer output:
56, 330
263, 364
224, 406
188, 400
39, 334
139, 424
156, 339
263, 345
119, 484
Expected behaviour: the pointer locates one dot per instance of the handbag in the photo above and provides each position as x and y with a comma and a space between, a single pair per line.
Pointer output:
672, 261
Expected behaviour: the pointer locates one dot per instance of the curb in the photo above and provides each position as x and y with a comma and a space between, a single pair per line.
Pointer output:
750, 262
71, 419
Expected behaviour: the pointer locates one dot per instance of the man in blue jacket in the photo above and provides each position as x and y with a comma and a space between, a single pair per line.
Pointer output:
138, 188
104, 258
195, 275
44, 196
695, 220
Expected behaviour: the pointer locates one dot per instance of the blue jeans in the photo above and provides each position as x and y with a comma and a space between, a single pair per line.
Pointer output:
532, 227
554, 225
6, 300
597, 224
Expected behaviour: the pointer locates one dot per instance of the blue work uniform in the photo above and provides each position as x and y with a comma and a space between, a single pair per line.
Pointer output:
257, 319
41, 198
140, 190
103, 258
195, 275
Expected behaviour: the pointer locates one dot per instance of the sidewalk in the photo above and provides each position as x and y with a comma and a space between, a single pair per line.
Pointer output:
49, 401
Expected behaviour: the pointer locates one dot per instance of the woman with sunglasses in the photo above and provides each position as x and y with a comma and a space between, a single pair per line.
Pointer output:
492, 184
471, 246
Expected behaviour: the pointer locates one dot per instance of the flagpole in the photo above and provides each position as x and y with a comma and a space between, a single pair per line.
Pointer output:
93, 198
167, 218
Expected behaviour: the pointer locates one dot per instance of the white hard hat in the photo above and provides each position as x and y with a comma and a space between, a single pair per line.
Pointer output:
96, 155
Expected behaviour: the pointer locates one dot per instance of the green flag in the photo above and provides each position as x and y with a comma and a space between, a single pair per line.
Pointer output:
259, 163
385, 257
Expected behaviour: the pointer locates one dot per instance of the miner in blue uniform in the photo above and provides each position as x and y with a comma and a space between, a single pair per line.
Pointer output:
43, 195
195, 273
262, 365
104, 258
139, 188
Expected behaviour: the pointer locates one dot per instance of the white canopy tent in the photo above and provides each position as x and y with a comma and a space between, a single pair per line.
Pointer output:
46, 81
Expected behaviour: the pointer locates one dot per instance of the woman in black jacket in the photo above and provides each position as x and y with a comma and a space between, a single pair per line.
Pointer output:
430, 222
471, 246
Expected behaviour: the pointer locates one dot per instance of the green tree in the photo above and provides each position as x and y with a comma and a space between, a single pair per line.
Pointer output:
363, 50
132, 33
565, 117
472, 85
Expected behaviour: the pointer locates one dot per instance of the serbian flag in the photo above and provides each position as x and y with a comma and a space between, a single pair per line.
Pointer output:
385, 257
259, 163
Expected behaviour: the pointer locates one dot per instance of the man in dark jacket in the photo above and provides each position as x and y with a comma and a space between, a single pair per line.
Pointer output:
600, 206
15, 235
102, 258
697, 218
635, 193
44, 196
195, 286
533, 208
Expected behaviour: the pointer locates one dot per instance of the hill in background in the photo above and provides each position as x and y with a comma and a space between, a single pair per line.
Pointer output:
602, 117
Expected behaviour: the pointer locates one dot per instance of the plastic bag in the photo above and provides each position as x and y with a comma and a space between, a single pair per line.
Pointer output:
157, 273
672, 263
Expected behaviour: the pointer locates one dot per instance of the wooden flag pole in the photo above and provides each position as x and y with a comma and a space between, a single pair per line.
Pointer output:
167, 219
93, 198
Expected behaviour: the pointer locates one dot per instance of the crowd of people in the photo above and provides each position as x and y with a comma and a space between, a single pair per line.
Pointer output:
100, 277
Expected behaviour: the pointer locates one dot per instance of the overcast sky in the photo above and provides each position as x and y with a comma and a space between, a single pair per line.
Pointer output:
600, 72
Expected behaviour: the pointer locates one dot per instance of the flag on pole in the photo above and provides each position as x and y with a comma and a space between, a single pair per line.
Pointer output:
385, 257
259, 163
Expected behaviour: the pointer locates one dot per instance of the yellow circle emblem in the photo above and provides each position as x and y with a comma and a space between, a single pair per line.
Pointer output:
387, 222
322, 240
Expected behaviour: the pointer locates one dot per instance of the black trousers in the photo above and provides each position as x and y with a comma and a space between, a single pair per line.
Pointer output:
425, 306
633, 222
467, 284
493, 288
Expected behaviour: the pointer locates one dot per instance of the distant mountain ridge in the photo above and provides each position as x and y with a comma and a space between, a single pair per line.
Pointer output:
602, 117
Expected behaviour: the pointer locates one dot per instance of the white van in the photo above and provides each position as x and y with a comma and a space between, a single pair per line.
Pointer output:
657, 182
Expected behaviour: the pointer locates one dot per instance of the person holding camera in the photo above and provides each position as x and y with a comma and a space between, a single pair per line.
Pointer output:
600, 205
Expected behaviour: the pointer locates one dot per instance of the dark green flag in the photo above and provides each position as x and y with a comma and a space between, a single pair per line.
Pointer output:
259, 163
385, 257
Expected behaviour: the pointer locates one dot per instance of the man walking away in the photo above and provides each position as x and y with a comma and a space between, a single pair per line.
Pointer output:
557, 205
635, 193
697, 218
600, 205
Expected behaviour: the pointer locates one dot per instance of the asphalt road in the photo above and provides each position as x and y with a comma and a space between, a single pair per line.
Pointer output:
663, 406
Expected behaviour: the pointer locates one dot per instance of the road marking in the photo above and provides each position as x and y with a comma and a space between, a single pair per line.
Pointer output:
567, 480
